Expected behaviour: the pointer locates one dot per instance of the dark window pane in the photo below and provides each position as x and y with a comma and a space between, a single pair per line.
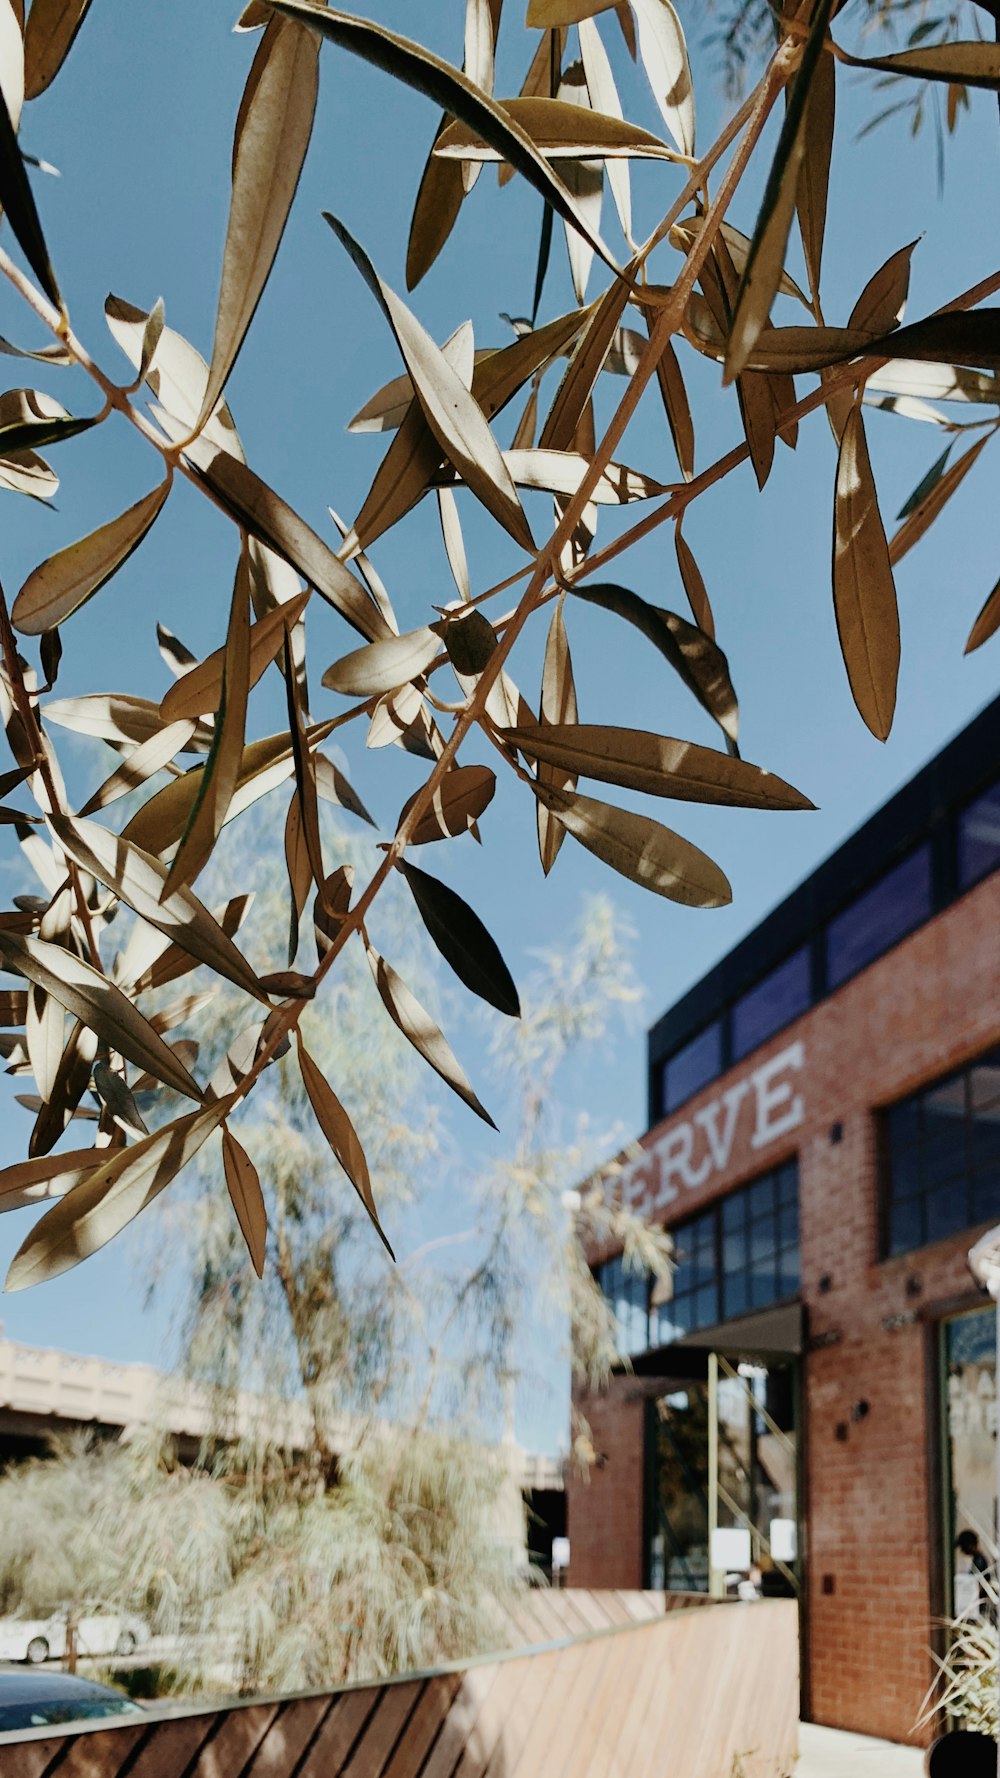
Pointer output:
985, 1144
788, 1228
762, 1241
734, 1254
788, 1272
760, 1195
904, 1122
979, 837
706, 1306
986, 1198
984, 1084
692, 1067
884, 914
734, 1212
774, 1002
788, 1184
906, 1226
947, 1210
735, 1295
904, 1173
762, 1287
943, 1147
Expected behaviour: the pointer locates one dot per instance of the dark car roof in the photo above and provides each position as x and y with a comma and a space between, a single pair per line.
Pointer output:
18, 1686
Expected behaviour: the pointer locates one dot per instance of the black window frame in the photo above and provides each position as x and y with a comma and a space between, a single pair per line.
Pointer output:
917, 1152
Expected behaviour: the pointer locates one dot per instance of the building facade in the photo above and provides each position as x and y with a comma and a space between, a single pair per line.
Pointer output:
810, 1402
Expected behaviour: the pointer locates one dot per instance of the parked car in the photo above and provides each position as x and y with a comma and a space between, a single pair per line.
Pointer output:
33, 1700
99, 1631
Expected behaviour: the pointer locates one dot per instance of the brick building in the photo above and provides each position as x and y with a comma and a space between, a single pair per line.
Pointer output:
813, 1395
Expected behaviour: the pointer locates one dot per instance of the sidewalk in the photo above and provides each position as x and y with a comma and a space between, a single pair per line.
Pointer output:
830, 1753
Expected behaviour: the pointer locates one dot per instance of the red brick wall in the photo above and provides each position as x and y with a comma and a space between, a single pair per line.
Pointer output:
872, 1525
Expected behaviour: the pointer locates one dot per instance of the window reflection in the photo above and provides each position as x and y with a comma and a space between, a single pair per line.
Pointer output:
774, 1002
898, 902
942, 1149
692, 1067
979, 837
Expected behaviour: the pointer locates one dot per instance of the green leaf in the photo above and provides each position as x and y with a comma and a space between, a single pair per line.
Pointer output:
641, 849
419, 1029
98, 1004
452, 412
453, 92
462, 940
340, 1134
766, 258
656, 764
864, 593
58, 587
108, 1198
273, 131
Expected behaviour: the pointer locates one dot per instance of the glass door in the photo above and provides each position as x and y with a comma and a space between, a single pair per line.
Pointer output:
968, 1356
722, 1481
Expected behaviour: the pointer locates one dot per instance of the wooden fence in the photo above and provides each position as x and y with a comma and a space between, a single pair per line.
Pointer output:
690, 1693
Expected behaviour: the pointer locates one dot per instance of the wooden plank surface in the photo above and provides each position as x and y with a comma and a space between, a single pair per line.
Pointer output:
288, 1737
424, 1726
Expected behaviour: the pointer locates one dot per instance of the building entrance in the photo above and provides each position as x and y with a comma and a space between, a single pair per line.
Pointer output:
722, 1480
968, 1355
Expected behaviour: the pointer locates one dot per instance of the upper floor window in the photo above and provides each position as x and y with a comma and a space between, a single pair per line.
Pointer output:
942, 1158
627, 1292
876, 920
774, 1002
692, 1067
694, 1299
741, 1255
979, 837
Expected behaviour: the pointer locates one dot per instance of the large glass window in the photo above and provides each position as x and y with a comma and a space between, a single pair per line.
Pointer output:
774, 1002
894, 906
942, 1157
979, 837
741, 1255
627, 1292
692, 1067
970, 1420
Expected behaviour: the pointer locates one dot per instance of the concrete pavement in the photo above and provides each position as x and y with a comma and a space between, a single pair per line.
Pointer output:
830, 1753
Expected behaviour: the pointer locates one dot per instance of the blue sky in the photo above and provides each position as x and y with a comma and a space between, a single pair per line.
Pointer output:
140, 124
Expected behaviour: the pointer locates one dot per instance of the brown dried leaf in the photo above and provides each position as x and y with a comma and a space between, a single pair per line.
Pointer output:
439, 200
222, 767
584, 367
198, 692
462, 940
66, 580
694, 585
142, 764
987, 623
657, 765
563, 130
881, 303
48, 1176
558, 705
651, 855
458, 801
663, 54
340, 1134
243, 1183
384, 665
49, 33
926, 511
419, 1029
814, 175
864, 594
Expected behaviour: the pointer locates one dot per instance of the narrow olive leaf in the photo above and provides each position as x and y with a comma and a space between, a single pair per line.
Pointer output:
47, 1176
267, 517
97, 1003
300, 876
12, 61
151, 335
864, 593
222, 767
13, 1006
437, 80
27, 473
676, 407
562, 472
331, 904
198, 691
140, 880
266, 763
451, 411
883, 298
333, 787
922, 516
604, 96
419, 1028
383, 665
435, 212
150, 962
340, 1134
49, 35
684, 234
58, 587
274, 133
103, 1203
177, 656
910, 381
31, 433
454, 543
657, 765
544, 14
305, 771
243, 1184
970, 337
18, 205
462, 940
693, 654
766, 259
926, 482
651, 855
112, 1089
663, 54
176, 373
470, 640
970, 64
458, 801
541, 81
558, 705
44, 1032
563, 131
694, 585
814, 172
987, 623
527, 425
116, 717
584, 368
54, 354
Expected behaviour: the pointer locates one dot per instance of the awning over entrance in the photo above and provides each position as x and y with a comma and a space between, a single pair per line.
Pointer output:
768, 1333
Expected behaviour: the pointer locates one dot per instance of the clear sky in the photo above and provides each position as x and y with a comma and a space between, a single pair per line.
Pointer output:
140, 124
